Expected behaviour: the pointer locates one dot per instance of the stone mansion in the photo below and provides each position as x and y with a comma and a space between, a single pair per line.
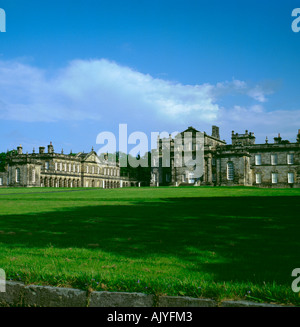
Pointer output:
50, 169
242, 162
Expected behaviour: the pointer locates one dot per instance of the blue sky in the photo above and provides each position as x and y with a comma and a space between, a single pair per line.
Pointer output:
72, 69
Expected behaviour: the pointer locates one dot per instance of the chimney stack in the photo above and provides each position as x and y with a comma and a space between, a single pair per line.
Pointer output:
20, 149
215, 132
41, 149
50, 148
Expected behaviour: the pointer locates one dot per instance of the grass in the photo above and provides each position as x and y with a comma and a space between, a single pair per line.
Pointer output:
221, 243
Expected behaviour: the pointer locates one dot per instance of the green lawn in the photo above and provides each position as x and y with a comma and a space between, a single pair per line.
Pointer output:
222, 243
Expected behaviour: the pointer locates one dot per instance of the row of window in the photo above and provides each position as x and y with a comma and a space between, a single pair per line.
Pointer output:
110, 172
59, 166
274, 159
291, 178
76, 168
106, 171
230, 175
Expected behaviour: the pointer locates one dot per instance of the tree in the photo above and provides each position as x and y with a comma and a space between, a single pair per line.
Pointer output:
3, 158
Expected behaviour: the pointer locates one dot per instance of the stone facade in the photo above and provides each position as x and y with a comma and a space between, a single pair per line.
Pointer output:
50, 169
240, 163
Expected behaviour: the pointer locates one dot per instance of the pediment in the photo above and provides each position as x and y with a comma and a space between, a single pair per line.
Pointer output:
92, 157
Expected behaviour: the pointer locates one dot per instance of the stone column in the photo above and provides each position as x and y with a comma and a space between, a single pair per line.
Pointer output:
209, 170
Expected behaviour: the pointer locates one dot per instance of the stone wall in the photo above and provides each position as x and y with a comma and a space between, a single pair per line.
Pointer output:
20, 295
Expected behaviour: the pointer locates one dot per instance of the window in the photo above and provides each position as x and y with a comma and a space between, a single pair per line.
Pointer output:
167, 178
87, 169
56, 166
74, 168
191, 178
274, 178
70, 168
213, 161
258, 159
1, 181
290, 178
214, 177
290, 159
33, 176
65, 167
258, 178
78, 169
18, 175
93, 170
230, 171
47, 165
60, 166
104, 171
274, 159
98, 170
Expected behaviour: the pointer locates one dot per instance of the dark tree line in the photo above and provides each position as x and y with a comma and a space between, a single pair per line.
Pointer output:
141, 173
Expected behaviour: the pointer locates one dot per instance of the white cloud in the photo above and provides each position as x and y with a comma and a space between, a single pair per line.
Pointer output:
258, 94
101, 90
95, 90
237, 87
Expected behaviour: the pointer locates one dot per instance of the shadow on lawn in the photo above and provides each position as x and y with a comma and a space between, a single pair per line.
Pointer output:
255, 238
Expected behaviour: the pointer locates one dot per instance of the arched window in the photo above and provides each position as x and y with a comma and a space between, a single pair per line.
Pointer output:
18, 175
230, 171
